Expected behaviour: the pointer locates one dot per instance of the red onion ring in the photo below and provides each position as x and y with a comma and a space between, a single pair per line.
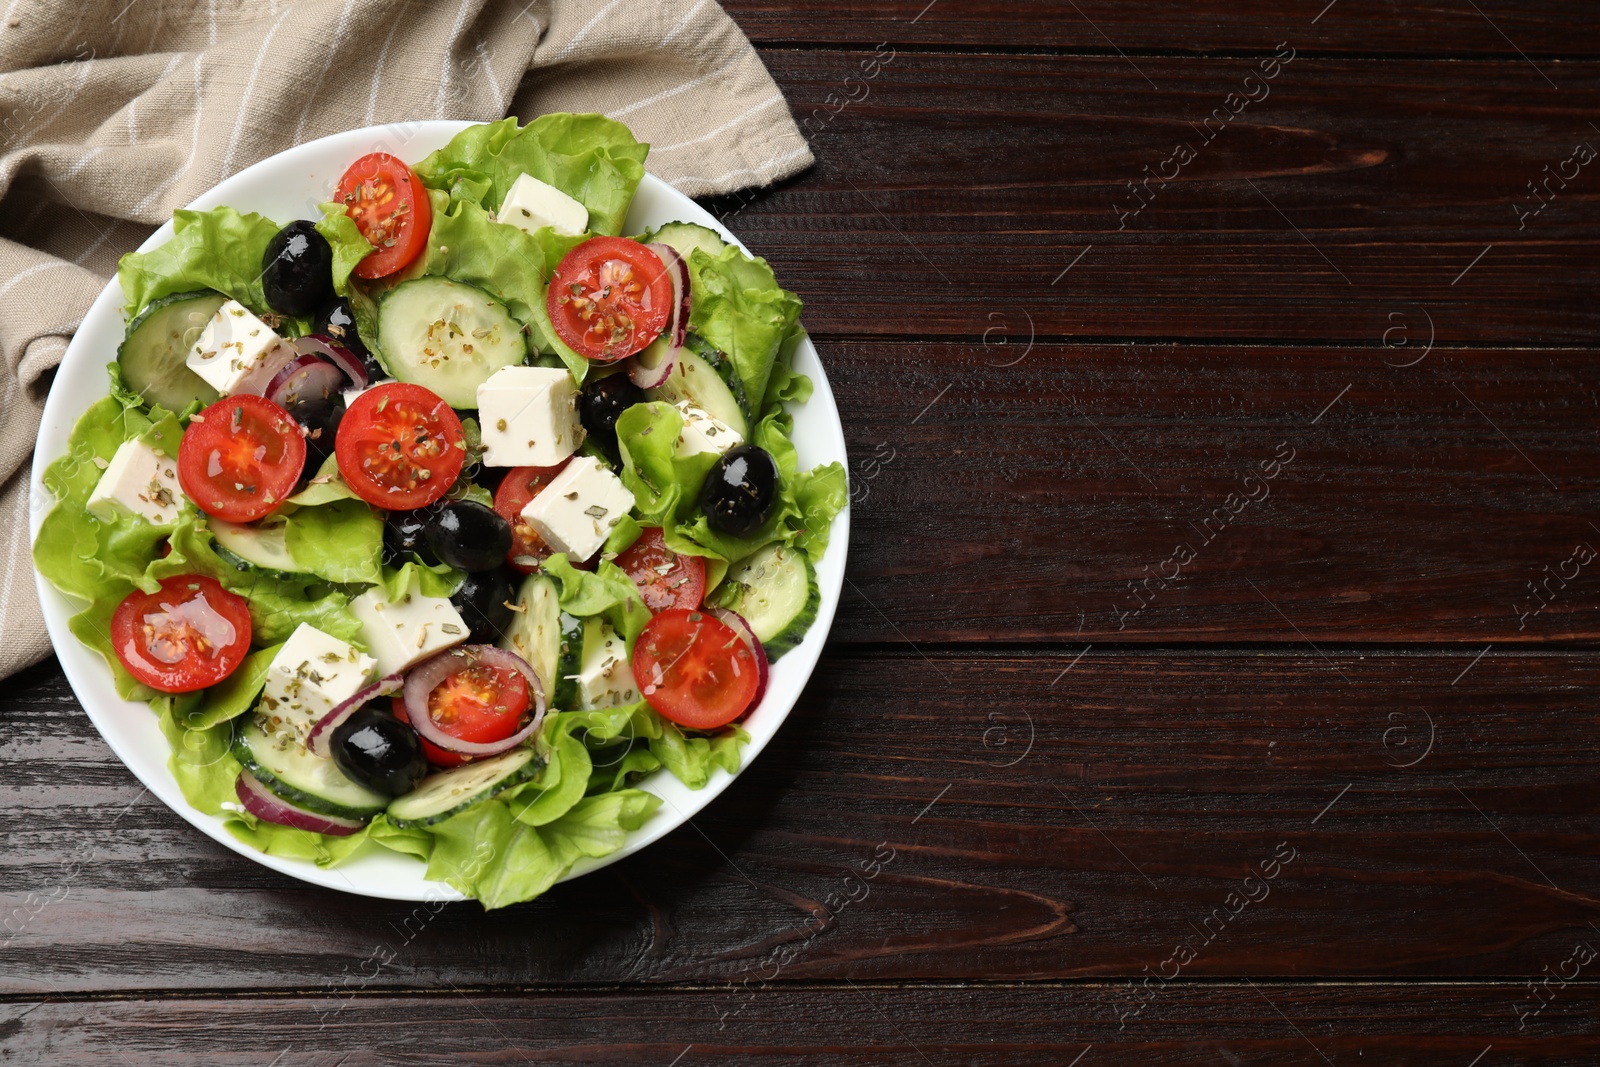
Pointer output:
427, 675
320, 739
648, 375
736, 622
328, 348
678, 267
259, 801
304, 378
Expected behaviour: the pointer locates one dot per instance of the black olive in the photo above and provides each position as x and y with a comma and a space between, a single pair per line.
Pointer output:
338, 321
320, 416
484, 602
467, 535
740, 491
489, 477
297, 270
404, 537
377, 750
602, 402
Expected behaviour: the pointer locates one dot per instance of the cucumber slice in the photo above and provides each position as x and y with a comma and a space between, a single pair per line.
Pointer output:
263, 545
439, 796
695, 380
548, 638
152, 354
775, 589
447, 337
284, 765
685, 237
725, 370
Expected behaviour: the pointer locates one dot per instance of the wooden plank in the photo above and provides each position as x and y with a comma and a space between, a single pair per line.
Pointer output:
961, 187
1365, 27
957, 818
1119, 493
854, 1023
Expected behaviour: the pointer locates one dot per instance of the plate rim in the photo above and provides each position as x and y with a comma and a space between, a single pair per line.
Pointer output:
85, 669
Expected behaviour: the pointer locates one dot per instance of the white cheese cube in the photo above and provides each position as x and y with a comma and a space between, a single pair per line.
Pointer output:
237, 352
139, 480
529, 417
704, 432
531, 204
578, 509
402, 632
312, 673
606, 677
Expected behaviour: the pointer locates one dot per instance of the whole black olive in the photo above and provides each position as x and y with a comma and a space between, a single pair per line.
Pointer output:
320, 416
741, 490
465, 534
297, 270
338, 321
404, 537
377, 750
602, 402
483, 600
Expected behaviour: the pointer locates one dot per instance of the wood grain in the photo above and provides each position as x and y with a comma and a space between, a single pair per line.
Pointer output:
957, 187
1004, 493
1366, 27
844, 1023
961, 817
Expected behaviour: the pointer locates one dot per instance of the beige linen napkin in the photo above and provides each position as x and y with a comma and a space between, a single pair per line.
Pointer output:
115, 112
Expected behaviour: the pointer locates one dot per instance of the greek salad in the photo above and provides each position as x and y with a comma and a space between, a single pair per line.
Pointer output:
439, 521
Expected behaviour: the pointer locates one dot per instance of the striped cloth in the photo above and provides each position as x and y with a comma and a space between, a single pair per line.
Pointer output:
115, 112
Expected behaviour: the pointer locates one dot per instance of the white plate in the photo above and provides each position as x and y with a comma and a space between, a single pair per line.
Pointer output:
289, 186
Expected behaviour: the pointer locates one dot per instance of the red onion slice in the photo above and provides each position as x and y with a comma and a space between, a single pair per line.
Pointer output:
305, 378
736, 622
263, 804
678, 268
328, 348
426, 676
320, 739
653, 366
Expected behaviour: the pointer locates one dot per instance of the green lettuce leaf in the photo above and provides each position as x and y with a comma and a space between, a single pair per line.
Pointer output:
692, 757
486, 853
349, 249
739, 307
286, 841
200, 759
607, 590
229, 698
593, 159
341, 541
218, 249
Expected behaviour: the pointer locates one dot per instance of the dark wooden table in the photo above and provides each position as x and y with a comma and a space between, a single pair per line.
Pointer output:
1216, 680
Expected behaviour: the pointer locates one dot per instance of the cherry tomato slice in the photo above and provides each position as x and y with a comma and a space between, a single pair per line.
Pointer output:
609, 298
665, 579
240, 458
191, 634
694, 669
400, 446
482, 703
520, 485
390, 207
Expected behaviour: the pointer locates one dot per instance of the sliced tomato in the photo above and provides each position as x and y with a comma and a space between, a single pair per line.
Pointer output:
609, 298
400, 446
390, 207
665, 579
520, 485
694, 669
240, 458
190, 634
482, 703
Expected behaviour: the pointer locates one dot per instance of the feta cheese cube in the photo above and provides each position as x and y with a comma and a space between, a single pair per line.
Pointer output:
139, 480
402, 632
312, 673
704, 432
529, 417
237, 352
531, 204
605, 679
577, 510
